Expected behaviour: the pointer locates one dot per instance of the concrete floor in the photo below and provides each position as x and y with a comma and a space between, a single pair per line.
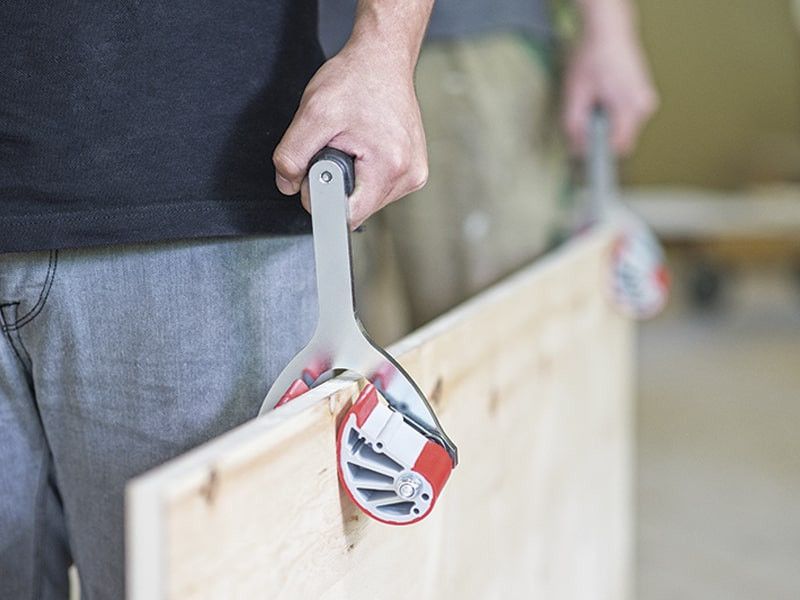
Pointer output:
719, 447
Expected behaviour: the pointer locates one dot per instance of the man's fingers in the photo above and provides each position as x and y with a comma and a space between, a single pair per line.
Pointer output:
304, 197
370, 193
308, 133
386, 176
389, 164
623, 125
627, 119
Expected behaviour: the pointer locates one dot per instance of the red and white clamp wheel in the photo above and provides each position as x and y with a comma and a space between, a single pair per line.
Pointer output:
640, 280
393, 472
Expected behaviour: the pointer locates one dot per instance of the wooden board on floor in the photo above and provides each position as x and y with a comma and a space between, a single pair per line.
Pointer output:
532, 379
681, 214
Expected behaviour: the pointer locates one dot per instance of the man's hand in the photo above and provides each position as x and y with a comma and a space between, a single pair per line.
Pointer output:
608, 67
362, 101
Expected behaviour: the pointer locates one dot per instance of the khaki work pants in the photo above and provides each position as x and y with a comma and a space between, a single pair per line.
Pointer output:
497, 193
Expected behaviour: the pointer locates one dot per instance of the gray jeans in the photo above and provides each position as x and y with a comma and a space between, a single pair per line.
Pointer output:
114, 360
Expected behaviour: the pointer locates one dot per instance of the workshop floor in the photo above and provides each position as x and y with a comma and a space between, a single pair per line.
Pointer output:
719, 447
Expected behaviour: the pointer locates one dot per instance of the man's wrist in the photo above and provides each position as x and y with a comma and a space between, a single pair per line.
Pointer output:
392, 30
607, 18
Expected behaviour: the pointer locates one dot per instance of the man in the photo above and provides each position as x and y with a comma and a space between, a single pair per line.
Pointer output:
498, 193
153, 281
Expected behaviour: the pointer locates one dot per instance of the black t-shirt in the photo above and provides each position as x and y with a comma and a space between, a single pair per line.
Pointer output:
128, 121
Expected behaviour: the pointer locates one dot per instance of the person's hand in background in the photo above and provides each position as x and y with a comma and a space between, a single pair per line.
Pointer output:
362, 101
608, 67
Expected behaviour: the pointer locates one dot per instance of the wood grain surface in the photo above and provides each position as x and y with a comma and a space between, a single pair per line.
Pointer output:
532, 379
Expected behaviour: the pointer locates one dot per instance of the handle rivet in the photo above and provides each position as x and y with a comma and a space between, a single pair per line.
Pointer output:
325, 177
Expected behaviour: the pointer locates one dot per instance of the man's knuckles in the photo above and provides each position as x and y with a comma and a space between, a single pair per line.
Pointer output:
320, 108
418, 175
288, 164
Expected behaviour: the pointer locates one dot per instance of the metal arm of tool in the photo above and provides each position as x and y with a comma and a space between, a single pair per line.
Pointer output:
331, 179
340, 342
601, 170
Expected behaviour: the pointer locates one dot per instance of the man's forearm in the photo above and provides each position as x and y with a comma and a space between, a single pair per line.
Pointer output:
608, 67
395, 29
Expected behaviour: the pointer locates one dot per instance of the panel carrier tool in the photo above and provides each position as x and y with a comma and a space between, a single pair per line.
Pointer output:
393, 457
639, 279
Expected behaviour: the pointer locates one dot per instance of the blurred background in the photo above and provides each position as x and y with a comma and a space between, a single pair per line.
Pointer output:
717, 174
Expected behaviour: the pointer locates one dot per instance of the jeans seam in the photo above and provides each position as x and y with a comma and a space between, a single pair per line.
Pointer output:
14, 343
26, 359
44, 294
39, 518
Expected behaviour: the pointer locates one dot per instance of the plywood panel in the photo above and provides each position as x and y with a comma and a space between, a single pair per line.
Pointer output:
533, 381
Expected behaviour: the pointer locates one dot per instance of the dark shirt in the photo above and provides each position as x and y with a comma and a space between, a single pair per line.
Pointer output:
128, 121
